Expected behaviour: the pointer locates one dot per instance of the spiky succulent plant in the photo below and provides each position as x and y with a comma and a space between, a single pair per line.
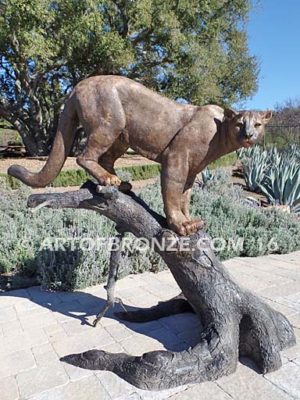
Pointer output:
275, 173
281, 184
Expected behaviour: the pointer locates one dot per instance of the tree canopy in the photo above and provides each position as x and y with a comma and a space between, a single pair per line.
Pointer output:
287, 113
190, 49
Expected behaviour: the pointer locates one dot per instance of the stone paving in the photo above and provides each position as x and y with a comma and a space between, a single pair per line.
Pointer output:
38, 327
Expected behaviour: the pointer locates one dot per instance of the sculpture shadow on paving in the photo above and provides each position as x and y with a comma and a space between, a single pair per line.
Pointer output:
75, 303
80, 306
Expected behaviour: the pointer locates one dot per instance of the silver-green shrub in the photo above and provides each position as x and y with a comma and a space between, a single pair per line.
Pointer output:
26, 236
48, 243
229, 217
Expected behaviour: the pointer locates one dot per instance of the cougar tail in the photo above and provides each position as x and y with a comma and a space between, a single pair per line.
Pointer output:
61, 148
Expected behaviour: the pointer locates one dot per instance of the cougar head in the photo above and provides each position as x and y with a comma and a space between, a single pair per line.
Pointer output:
246, 127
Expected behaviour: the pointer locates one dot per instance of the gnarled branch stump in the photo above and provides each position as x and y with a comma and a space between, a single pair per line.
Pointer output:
235, 321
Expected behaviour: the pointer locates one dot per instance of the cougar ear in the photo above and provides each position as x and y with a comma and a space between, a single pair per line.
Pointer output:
266, 116
229, 113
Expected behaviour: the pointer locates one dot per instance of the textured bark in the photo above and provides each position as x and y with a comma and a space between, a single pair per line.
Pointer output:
235, 321
114, 263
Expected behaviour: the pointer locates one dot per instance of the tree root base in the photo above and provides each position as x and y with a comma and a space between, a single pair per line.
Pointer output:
214, 356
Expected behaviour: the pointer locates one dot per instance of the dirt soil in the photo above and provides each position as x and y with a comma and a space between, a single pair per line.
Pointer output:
34, 164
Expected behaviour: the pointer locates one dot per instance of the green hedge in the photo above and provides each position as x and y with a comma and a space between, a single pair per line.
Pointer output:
76, 177
224, 161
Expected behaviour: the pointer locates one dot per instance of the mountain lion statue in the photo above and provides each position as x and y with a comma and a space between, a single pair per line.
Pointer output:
117, 113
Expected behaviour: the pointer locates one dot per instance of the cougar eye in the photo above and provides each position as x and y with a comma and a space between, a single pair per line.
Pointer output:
257, 125
239, 124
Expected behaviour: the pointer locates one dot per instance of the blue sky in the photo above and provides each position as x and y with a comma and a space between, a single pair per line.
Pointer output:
274, 37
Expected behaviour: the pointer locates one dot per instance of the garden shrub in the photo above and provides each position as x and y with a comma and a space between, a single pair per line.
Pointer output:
227, 216
222, 207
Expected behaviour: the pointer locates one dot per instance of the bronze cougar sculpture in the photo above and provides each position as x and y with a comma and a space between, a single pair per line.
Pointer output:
117, 113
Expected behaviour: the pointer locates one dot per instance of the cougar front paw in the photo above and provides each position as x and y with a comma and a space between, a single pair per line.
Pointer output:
193, 226
187, 228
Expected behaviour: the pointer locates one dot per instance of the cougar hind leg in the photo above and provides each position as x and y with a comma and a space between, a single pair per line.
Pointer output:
103, 121
89, 159
108, 159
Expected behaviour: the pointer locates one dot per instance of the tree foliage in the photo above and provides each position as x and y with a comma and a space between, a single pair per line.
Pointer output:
287, 113
190, 49
285, 126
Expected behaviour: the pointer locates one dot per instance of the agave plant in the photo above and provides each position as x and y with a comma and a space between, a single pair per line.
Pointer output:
293, 152
255, 169
282, 183
250, 152
213, 178
274, 156
206, 176
296, 208
275, 173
